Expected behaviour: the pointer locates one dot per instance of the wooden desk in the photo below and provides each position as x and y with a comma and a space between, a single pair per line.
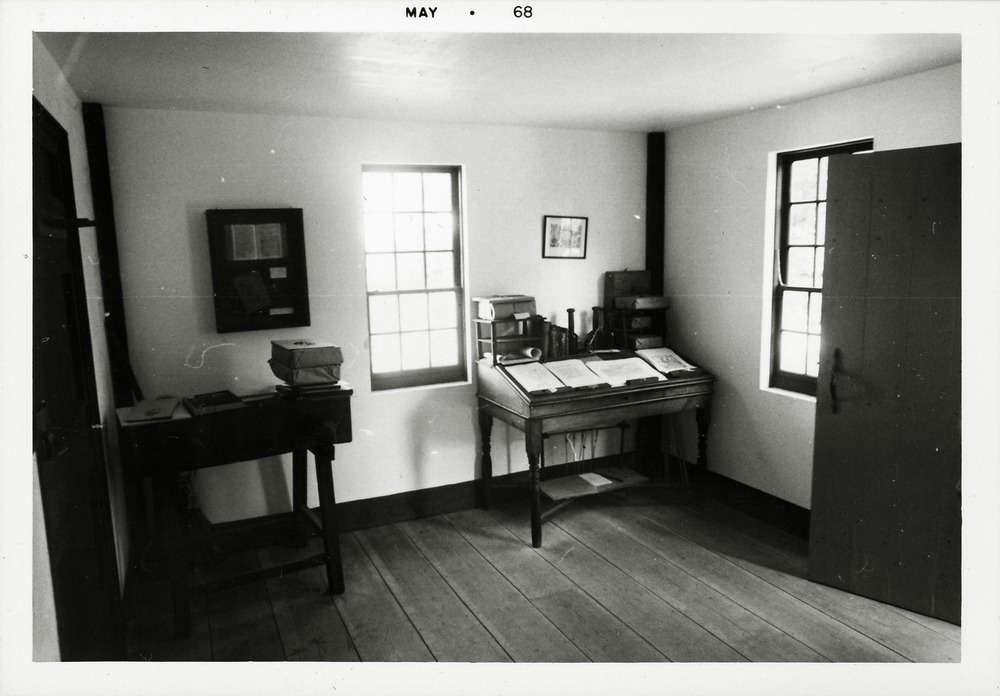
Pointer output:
264, 427
501, 397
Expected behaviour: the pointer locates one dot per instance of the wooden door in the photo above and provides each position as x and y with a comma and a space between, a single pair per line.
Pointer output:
886, 497
66, 419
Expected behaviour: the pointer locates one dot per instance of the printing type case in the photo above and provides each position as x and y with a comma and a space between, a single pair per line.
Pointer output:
303, 362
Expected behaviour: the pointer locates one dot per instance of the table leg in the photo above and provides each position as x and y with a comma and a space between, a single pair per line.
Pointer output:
534, 477
168, 506
299, 480
666, 437
703, 417
533, 445
300, 488
327, 503
486, 467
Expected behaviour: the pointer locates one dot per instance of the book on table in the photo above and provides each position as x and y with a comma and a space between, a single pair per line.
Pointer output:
625, 371
665, 360
212, 402
316, 391
575, 373
153, 410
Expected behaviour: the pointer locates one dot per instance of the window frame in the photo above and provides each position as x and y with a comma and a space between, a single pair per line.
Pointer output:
426, 376
779, 378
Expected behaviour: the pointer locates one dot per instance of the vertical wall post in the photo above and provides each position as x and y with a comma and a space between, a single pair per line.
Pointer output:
107, 246
649, 440
656, 179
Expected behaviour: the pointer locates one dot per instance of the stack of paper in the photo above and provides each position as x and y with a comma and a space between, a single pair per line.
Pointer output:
624, 371
579, 374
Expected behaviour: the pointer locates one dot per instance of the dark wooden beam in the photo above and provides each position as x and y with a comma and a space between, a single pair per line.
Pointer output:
122, 378
656, 179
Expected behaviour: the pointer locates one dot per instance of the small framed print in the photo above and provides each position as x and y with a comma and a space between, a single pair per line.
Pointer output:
564, 237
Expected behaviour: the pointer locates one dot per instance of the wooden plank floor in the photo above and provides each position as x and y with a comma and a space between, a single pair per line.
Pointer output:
619, 578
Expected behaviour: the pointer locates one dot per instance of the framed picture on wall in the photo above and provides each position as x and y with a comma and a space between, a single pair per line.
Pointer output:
564, 237
258, 268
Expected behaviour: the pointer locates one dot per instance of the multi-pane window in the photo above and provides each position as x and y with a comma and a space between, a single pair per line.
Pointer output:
413, 260
798, 282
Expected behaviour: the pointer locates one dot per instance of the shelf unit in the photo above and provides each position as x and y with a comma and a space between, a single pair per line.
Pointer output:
497, 337
627, 325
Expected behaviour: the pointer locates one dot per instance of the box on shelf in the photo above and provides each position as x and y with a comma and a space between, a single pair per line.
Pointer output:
639, 322
625, 283
640, 341
642, 302
498, 307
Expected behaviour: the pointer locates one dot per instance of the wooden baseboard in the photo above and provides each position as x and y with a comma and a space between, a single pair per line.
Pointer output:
758, 504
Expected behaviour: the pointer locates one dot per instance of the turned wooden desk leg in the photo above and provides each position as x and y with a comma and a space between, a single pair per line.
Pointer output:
327, 503
534, 478
702, 417
169, 506
533, 444
300, 488
486, 466
299, 480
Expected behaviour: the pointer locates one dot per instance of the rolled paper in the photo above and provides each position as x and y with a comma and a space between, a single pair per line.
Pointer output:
519, 355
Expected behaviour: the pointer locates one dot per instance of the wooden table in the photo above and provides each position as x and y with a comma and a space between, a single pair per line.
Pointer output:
500, 396
263, 427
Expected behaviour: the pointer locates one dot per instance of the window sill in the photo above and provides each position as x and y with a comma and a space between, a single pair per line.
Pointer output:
422, 387
798, 396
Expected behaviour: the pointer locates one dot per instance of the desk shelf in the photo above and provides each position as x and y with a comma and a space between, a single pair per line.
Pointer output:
498, 337
576, 486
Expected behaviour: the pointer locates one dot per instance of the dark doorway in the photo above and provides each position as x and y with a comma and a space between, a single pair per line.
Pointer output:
67, 421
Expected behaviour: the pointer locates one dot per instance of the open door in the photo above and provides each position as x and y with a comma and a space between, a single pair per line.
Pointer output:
886, 500
67, 426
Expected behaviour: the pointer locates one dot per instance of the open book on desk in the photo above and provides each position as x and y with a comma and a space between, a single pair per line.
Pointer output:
535, 378
624, 371
573, 373
664, 360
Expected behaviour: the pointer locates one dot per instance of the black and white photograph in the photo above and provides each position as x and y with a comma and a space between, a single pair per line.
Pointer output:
294, 402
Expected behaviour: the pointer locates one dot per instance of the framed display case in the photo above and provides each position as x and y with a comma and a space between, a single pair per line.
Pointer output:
258, 268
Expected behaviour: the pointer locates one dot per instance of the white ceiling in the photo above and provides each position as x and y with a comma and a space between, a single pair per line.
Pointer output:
630, 82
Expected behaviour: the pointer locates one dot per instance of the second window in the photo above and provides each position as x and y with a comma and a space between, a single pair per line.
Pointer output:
413, 259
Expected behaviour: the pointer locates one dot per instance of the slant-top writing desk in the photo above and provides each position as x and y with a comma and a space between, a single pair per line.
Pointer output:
502, 397
263, 427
